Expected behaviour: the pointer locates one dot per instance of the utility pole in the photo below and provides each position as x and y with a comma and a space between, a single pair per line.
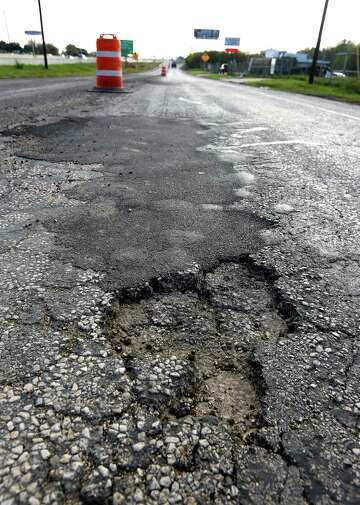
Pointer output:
43, 37
317, 49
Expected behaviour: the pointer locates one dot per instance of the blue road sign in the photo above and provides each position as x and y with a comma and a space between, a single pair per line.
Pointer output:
206, 34
232, 41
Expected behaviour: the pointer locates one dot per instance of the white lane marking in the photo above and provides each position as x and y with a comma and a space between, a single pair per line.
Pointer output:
188, 101
249, 130
280, 142
298, 102
235, 123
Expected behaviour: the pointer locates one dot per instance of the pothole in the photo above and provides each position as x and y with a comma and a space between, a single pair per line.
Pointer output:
207, 327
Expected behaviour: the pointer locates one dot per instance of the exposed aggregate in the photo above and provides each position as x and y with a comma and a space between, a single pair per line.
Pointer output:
311, 398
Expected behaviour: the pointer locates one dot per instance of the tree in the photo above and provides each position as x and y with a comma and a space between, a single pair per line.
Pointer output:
28, 48
11, 47
51, 49
15, 47
72, 50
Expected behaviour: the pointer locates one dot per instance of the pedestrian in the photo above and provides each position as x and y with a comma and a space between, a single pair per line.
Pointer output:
224, 68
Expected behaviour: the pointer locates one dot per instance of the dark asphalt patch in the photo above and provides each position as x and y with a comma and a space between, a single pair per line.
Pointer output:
146, 215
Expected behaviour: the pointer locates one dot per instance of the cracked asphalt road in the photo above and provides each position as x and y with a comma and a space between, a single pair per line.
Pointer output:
180, 303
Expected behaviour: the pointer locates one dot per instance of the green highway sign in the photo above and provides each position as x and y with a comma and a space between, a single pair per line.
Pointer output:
127, 47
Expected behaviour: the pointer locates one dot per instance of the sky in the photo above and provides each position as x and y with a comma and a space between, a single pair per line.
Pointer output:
164, 28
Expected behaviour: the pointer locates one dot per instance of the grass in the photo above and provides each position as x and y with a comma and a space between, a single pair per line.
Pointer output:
64, 70
132, 68
202, 73
345, 89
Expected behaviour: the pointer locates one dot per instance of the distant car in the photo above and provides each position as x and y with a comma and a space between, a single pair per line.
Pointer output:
334, 74
173, 64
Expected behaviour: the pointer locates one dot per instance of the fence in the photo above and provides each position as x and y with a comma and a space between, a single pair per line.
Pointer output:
346, 63
29, 59
236, 67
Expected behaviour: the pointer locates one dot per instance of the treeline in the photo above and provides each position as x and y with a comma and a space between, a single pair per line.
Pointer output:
30, 48
331, 53
194, 60
341, 57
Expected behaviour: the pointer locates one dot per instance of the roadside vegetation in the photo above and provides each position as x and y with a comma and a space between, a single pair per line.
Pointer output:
340, 58
66, 70
209, 75
36, 48
344, 88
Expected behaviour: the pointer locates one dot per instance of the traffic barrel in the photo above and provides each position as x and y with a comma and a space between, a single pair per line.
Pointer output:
109, 77
163, 70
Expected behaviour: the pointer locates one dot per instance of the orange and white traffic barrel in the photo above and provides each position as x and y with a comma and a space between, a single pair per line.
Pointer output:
109, 75
163, 70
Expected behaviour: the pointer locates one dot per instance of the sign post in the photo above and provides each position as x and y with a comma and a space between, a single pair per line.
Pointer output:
32, 41
205, 58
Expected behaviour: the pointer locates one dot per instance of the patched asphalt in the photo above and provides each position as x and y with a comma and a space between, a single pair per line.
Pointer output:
156, 205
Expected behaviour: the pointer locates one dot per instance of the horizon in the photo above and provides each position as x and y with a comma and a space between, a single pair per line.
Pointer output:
157, 32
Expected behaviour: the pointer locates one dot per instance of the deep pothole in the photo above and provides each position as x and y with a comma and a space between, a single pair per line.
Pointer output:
210, 323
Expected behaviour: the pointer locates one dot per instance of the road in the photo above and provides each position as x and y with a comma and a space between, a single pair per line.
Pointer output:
180, 303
